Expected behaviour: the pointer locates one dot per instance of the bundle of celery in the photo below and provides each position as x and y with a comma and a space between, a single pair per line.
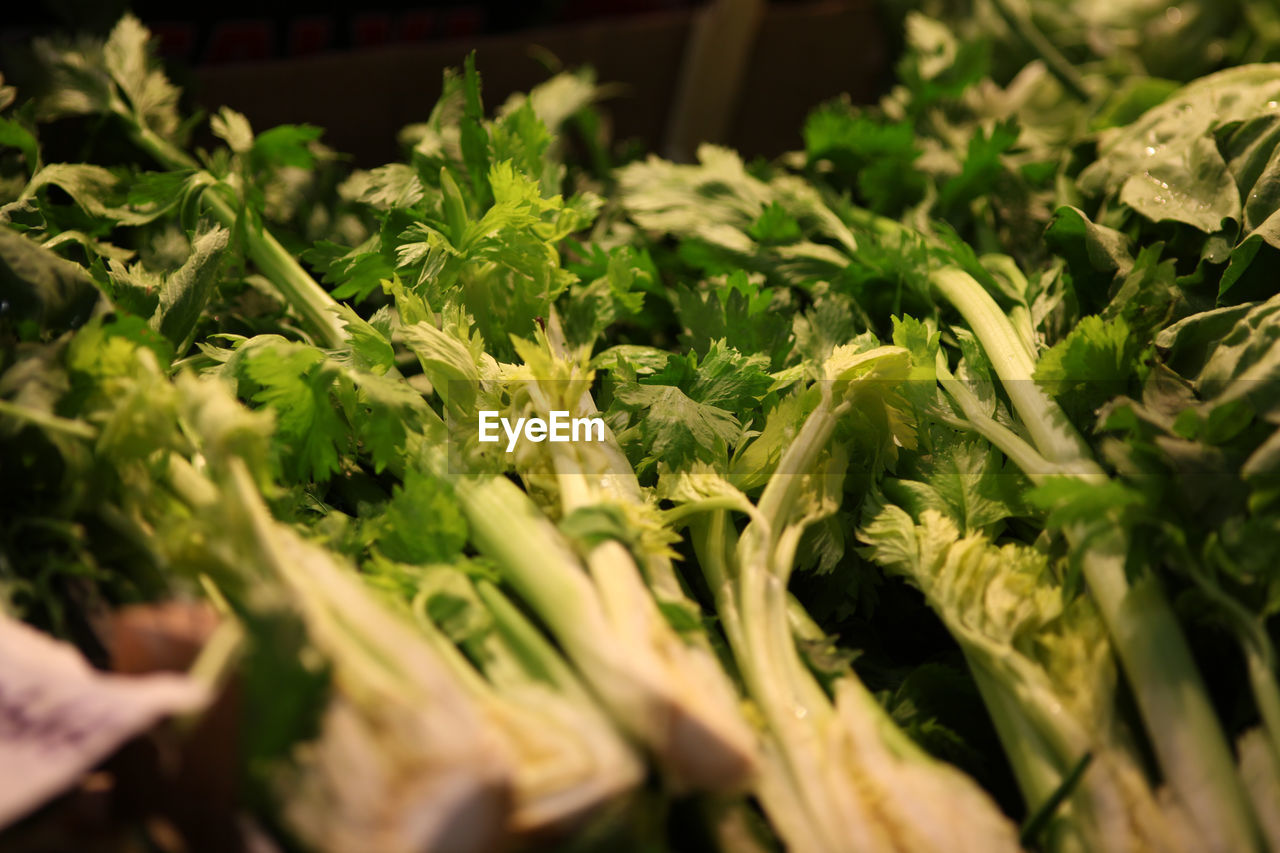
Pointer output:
914, 491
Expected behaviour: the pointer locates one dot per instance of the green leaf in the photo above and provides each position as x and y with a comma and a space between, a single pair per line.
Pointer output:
1227, 350
162, 192
1167, 165
1149, 295
132, 289
388, 187
1095, 254
1191, 340
152, 98
823, 545
99, 192
879, 156
38, 286
737, 310
1130, 99
918, 338
591, 525
921, 340
725, 378
560, 98
422, 523
411, 307
982, 166
295, 382
448, 596
965, 482
638, 360
521, 138
938, 705
987, 594
78, 84
369, 340
448, 361
233, 128
473, 136
1071, 500
1195, 188
14, 135
615, 291
753, 465
1091, 365
385, 410
285, 145
831, 321
775, 226
454, 207
716, 199
937, 65
187, 291
104, 349
675, 428
356, 272
517, 204
284, 691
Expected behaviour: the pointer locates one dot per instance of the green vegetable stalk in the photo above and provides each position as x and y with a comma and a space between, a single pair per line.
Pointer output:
643, 672
116, 78
629, 659
838, 772
496, 720
569, 761
404, 758
665, 687
1171, 696
1044, 670
300, 290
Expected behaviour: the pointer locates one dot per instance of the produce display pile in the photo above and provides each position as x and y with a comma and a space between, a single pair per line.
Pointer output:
934, 505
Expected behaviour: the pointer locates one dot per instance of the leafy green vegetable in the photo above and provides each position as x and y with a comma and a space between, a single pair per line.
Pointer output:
929, 487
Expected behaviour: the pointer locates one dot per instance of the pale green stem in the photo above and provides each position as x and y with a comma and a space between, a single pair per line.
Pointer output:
1262, 678
508, 527
1034, 764
1049, 428
1005, 440
680, 513
1256, 645
785, 786
1180, 720
309, 299
537, 656
47, 421
1058, 65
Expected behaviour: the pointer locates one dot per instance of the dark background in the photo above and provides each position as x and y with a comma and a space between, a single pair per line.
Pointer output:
362, 74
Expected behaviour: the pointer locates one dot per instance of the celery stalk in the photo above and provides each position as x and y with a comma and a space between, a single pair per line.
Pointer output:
838, 774
609, 627
601, 624
1172, 698
300, 290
